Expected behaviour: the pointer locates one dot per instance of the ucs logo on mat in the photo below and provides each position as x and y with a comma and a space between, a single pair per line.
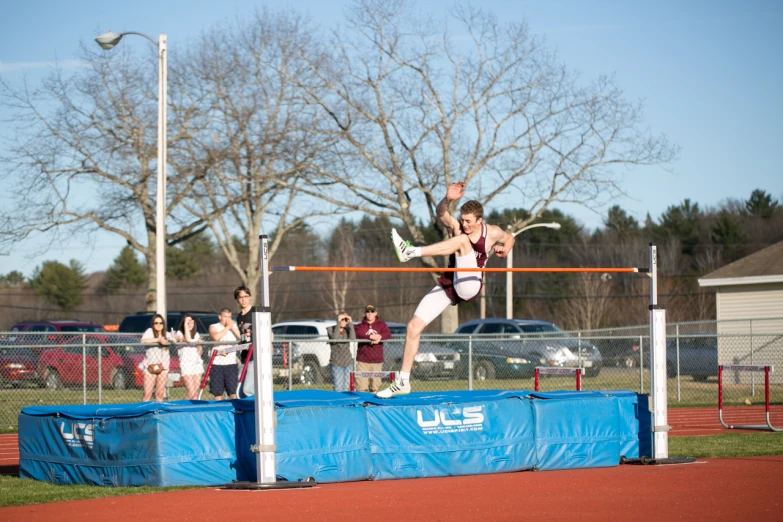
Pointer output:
78, 434
451, 420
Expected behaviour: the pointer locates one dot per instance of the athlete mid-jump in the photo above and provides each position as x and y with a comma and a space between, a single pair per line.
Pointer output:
469, 245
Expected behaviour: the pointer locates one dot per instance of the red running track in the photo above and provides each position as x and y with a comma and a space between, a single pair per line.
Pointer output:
704, 421
711, 489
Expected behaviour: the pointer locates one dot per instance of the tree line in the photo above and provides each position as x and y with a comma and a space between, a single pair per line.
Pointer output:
692, 242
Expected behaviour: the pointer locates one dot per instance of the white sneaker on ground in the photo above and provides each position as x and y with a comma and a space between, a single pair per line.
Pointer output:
395, 389
403, 248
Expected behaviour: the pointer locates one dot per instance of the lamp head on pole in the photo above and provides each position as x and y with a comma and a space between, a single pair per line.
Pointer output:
108, 40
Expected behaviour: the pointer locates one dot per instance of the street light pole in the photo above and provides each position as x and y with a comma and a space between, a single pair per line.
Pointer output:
510, 264
108, 41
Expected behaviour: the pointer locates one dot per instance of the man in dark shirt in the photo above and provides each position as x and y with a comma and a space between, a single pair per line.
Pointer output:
245, 324
369, 357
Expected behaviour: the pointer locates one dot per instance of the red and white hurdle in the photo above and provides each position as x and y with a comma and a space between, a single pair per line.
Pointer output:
368, 375
746, 368
547, 370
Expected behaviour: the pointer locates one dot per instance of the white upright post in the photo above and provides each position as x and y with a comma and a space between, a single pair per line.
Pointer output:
658, 365
160, 203
264, 401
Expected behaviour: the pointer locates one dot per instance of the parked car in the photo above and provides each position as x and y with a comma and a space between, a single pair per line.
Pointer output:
17, 366
698, 356
524, 344
618, 349
433, 361
63, 366
140, 321
48, 332
313, 354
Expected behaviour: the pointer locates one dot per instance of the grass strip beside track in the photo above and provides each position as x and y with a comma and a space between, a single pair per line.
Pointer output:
20, 492
727, 445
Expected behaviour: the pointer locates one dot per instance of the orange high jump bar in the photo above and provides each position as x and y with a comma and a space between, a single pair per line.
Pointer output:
427, 269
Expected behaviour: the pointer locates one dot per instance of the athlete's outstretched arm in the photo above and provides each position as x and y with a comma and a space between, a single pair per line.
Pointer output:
455, 191
502, 241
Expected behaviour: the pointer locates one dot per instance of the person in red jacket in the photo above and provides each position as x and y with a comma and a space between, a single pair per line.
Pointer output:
369, 357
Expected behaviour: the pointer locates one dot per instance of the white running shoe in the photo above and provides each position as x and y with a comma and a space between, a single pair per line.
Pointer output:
395, 389
403, 248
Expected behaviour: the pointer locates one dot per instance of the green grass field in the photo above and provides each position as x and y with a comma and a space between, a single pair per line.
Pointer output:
17, 492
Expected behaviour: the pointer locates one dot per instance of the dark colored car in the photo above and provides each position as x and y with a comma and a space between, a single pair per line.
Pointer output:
698, 356
17, 366
139, 322
49, 332
69, 364
523, 344
618, 349
433, 361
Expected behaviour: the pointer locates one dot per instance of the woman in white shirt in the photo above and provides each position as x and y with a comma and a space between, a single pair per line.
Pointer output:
191, 366
156, 357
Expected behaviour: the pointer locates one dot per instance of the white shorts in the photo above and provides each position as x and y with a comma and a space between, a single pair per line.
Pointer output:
190, 362
467, 285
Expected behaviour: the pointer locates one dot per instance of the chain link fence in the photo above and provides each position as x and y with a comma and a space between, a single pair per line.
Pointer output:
51, 369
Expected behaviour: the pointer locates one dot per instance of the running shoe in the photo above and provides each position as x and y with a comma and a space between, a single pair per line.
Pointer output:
403, 248
395, 389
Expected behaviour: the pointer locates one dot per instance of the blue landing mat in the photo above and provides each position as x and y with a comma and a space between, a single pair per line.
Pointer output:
334, 437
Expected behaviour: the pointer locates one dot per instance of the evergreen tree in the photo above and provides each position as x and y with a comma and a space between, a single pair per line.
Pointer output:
12, 278
59, 284
761, 204
727, 232
189, 257
618, 220
682, 222
125, 272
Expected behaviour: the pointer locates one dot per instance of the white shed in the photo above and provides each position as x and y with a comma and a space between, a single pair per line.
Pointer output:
749, 309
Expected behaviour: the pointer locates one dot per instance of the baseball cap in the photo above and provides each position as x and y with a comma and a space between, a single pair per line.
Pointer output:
369, 308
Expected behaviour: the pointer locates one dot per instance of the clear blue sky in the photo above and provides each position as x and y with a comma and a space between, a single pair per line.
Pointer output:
710, 73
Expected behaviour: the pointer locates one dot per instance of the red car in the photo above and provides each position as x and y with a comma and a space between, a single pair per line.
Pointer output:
17, 366
32, 333
63, 366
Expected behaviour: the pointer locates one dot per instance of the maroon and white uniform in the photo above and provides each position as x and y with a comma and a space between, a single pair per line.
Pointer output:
456, 287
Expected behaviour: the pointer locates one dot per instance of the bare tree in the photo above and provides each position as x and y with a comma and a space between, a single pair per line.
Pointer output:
418, 104
256, 137
84, 153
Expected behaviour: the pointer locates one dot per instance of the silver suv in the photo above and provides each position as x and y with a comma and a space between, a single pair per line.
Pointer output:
539, 342
308, 341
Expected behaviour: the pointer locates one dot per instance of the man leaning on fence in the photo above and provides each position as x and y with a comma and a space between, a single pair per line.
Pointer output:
341, 358
223, 376
369, 357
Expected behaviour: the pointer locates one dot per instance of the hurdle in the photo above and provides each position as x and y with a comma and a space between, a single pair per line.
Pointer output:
548, 370
368, 375
746, 368
230, 349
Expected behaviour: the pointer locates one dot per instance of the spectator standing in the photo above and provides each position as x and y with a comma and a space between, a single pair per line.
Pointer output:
341, 358
156, 359
223, 375
245, 324
191, 367
369, 357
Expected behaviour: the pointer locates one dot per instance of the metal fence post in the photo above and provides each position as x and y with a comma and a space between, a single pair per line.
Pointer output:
289, 349
84, 368
470, 362
677, 334
100, 373
752, 374
579, 347
641, 364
